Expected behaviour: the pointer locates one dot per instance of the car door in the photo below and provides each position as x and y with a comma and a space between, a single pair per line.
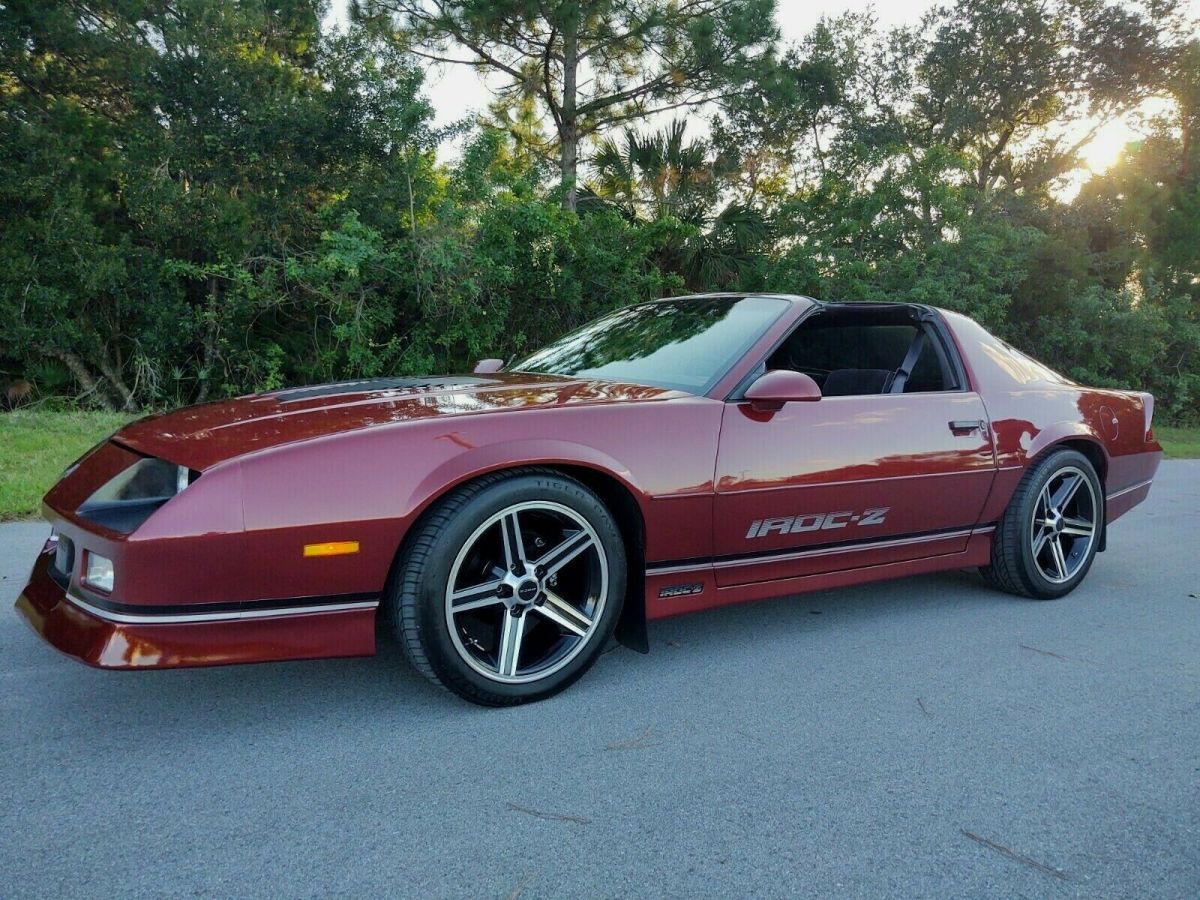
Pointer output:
848, 481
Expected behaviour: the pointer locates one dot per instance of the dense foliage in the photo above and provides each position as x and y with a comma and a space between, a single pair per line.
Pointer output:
200, 198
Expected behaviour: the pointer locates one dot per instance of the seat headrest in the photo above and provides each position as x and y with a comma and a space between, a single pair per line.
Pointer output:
847, 382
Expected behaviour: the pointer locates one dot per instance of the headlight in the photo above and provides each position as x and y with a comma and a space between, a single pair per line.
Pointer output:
146, 479
99, 572
127, 499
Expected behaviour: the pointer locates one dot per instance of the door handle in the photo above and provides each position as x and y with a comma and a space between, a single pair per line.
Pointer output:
966, 426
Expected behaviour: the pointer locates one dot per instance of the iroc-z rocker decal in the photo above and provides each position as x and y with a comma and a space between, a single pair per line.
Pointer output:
681, 590
817, 522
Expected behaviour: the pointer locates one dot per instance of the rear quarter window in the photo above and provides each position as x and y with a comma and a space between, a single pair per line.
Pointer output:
1011, 362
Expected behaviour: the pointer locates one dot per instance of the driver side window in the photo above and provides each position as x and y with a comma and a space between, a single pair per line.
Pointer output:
852, 358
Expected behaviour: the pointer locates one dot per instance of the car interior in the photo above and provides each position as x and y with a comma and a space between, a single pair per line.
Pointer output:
869, 348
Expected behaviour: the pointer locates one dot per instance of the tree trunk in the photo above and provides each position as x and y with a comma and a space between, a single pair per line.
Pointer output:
113, 377
208, 351
81, 373
208, 357
1188, 117
569, 129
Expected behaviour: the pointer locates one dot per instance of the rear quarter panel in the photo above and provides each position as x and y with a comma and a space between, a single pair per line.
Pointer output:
1033, 409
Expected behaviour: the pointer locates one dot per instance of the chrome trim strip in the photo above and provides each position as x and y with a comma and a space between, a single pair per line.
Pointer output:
673, 570
848, 547
836, 549
1132, 487
239, 615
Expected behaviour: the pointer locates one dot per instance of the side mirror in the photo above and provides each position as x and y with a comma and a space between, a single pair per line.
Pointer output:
488, 366
780, 386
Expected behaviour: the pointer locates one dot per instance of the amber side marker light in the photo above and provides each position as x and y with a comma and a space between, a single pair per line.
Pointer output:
331, 548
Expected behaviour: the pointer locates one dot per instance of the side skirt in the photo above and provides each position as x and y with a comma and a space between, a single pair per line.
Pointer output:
674, 592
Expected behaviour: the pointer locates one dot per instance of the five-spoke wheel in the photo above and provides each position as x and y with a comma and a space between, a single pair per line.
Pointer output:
526, 591
1064, 524
1047, 538
509, 587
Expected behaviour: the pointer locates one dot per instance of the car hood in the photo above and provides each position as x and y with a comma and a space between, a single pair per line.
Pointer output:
202, 436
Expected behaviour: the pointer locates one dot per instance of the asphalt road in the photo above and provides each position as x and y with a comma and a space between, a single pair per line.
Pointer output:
919, 738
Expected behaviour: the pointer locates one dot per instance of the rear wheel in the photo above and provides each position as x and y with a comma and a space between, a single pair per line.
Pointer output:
510, 587
1047, 538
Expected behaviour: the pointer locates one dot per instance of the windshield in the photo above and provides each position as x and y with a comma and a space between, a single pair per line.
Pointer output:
685, 344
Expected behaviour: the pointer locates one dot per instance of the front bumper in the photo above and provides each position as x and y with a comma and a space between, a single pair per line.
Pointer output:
258, 633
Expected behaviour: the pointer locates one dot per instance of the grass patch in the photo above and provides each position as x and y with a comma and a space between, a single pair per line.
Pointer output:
35, 447
1179, 443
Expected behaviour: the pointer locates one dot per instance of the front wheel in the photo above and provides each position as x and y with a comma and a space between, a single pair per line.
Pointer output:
1047, 538
510, 587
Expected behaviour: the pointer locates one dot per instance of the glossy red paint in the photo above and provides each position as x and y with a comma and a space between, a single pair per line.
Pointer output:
847, 456
869, 487
781, 386
201, 437
112, 645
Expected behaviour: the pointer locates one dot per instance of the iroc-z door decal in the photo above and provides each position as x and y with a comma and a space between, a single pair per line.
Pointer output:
875, 515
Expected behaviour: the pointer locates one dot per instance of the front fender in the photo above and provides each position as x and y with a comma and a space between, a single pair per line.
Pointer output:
477, 461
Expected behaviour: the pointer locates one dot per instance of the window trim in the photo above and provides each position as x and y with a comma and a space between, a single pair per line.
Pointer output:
928, 319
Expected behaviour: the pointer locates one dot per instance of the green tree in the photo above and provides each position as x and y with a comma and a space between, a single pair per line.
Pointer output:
950, 134
663, 176
656, 175
162, 165
593, 64
201, 199
1128, 306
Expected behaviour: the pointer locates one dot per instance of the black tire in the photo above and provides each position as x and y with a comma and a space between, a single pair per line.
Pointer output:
419, 606
1015, 567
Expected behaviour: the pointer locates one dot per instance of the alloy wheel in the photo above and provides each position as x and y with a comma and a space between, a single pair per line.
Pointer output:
1064, 524
526, 592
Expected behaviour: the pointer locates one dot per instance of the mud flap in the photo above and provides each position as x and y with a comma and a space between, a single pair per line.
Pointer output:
631, 629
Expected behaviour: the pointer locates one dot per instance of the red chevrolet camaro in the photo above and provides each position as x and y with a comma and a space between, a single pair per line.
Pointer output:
670, 457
